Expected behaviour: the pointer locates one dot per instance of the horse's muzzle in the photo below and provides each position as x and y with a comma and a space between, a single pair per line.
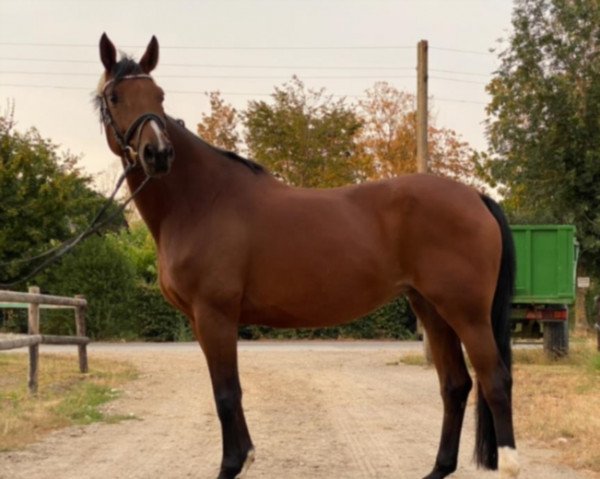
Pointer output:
157, 161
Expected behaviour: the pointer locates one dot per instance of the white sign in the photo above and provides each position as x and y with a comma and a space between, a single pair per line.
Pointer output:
583, 282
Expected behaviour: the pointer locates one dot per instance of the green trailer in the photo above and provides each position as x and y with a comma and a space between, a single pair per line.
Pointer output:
545, 283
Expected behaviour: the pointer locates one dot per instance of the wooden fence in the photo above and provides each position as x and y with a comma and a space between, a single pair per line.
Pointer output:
33, 301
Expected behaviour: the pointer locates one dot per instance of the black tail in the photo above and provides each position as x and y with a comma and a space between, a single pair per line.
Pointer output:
486, 449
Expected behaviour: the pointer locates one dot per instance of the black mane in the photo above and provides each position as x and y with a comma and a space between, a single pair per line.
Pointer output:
256, 168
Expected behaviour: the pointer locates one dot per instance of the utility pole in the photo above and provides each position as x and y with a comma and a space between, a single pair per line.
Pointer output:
422, 151
422, 109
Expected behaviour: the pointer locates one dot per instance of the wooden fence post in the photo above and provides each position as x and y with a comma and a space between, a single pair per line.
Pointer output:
80, 327
598, 323
33, 327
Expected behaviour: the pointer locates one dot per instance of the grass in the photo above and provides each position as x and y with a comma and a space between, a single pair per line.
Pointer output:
65, 397
556, 402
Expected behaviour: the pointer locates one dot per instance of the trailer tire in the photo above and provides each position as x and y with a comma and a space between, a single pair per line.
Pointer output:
556, 338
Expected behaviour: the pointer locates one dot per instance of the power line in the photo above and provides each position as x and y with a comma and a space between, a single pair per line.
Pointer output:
456, 100
255, 67
226, 93
214, 65
214, 77
458, 80
458, 50
56, 87
244, 77
205, 47
455, 72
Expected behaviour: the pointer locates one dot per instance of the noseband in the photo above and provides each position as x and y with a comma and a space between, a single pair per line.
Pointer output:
128, 152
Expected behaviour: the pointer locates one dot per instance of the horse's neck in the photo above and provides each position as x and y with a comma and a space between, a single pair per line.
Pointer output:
195, 178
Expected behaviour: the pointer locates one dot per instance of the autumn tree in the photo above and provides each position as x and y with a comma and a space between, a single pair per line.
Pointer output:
305, 136
452, 157
543, 125
220, 127
388, 139
388, 136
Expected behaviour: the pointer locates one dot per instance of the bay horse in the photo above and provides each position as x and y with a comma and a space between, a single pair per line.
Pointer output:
236, 246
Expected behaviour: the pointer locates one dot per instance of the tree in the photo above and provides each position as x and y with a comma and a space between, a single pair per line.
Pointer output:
388, 137
388, 140
44, 198
220, 128
305, 136
543, 125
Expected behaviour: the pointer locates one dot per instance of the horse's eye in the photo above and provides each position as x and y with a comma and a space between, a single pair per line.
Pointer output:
113, 98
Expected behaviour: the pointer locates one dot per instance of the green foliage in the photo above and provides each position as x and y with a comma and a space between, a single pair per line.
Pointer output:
44, 199
137, 245
101, 271
543, 124
117, 275
305, 137
394, 320
156, 319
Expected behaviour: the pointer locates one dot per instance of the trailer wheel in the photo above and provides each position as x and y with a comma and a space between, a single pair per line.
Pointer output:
556, 338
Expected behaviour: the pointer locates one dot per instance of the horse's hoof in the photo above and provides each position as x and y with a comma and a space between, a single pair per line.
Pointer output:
439, 472
508, 463
247, 463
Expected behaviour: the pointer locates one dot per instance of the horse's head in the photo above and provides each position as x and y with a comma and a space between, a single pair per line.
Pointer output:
131, 105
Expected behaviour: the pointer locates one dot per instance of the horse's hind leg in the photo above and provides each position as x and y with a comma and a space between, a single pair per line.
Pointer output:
455, 383
496, 441
217, 334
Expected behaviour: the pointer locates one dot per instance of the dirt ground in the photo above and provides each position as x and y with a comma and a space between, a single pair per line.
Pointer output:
351, 414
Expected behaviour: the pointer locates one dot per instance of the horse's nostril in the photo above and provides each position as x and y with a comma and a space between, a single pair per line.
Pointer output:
149, 153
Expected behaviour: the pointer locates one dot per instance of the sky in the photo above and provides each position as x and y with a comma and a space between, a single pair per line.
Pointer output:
50, 66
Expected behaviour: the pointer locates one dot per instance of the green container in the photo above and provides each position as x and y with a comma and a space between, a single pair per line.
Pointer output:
546, 264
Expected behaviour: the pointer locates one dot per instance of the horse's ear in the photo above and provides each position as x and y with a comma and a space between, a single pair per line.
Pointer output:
108, 53
150, 58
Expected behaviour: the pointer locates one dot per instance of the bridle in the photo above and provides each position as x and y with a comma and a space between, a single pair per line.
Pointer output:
129, 153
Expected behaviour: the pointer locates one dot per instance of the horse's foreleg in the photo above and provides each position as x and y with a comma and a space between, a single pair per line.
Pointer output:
217, 334
455, 383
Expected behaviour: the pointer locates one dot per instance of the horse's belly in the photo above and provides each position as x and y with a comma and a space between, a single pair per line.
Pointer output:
322, 299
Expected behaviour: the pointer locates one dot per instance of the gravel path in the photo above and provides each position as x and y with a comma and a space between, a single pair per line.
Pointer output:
319, 411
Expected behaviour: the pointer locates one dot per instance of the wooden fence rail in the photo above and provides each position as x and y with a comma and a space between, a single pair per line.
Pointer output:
33, 301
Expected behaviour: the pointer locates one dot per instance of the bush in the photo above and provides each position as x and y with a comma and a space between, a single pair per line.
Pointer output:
394, 320
100, 271
157, 320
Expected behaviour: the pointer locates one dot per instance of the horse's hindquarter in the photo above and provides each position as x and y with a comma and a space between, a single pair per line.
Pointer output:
452, 245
